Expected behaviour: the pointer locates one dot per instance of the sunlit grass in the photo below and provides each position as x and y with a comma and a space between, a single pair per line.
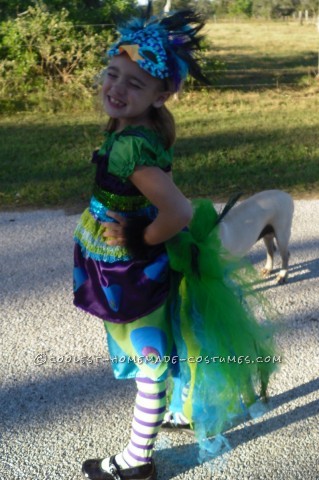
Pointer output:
271, 53
229, 139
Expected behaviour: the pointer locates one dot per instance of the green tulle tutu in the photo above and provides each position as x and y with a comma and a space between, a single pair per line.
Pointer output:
226, 354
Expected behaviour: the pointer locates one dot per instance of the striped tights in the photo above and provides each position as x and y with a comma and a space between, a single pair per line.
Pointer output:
149, 412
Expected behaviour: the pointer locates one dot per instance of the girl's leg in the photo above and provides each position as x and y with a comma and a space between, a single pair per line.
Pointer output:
142, 338
136, 459
149, 412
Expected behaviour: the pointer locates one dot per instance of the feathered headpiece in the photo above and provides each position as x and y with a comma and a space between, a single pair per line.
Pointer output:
164, 46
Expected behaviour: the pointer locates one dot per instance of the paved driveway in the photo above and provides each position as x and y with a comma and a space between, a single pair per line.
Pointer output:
59, 403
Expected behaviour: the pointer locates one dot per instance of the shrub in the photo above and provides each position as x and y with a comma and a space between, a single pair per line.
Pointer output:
44, 52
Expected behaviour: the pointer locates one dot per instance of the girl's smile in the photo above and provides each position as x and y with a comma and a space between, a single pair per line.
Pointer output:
129, 92
115, 103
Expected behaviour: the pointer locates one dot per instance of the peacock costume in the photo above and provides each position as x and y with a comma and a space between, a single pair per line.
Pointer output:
182, 309
130, 294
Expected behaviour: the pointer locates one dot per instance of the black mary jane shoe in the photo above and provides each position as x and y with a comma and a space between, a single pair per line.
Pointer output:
92, 470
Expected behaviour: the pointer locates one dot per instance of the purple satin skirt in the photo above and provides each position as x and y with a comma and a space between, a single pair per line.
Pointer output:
121, 291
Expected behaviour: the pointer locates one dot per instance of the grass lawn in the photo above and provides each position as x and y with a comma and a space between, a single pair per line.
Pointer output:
265, 53
229, 138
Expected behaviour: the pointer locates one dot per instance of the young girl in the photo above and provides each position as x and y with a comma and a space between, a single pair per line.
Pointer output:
129, 277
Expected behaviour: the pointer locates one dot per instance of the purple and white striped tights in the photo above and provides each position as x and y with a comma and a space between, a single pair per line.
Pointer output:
149, 411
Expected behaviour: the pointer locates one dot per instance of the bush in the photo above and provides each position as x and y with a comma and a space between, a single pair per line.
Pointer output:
44, 52
48, 63
242, 7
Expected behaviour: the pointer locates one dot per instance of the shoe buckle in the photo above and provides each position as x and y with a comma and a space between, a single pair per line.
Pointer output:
114, 471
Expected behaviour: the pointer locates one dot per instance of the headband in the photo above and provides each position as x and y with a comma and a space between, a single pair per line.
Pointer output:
164, 46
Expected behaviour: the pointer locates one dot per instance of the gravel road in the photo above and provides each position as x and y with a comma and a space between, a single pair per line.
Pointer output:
59, 403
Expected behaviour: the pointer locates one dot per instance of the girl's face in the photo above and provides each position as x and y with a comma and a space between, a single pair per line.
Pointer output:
129, 92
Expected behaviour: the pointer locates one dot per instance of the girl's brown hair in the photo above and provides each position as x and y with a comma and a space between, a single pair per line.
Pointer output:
162, 121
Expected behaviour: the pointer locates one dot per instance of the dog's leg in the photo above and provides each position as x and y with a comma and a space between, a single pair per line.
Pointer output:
282, 227
270, 247
282, 242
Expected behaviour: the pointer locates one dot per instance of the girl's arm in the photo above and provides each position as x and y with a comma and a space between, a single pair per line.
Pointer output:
174, 210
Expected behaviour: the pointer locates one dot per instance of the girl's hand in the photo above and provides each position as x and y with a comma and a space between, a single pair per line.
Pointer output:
114, 231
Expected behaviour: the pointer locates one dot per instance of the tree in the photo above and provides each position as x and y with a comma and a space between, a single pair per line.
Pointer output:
11, 8
82, 11
311, 5
241, 7
274, 8
264, 8
203, 6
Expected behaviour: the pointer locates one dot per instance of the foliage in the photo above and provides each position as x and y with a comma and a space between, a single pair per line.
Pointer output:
81, 11
241, 7
229, 139
45, 60
311, 5
205, 7
44, 53
264, 8
48, 60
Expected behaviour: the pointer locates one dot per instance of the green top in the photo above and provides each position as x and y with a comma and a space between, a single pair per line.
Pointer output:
130, 150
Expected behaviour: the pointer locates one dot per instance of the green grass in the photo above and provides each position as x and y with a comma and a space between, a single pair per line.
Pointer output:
248, 141
265, 53
229, 139
45, 159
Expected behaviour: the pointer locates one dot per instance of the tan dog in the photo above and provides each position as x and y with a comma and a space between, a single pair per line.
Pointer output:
266, 215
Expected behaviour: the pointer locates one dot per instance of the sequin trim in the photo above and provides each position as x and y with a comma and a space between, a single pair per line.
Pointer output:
119, 202
99, 211
145, 47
